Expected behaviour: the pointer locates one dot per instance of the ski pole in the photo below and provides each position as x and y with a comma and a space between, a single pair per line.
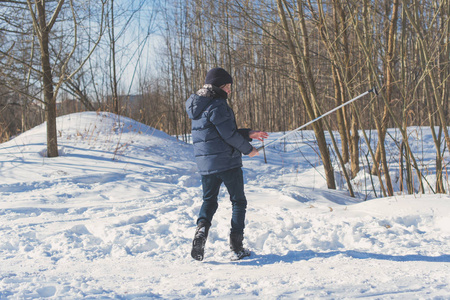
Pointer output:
373, 90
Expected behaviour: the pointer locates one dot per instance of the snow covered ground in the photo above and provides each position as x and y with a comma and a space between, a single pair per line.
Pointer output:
114, 215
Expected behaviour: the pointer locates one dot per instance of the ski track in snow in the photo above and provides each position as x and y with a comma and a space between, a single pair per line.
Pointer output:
114, 217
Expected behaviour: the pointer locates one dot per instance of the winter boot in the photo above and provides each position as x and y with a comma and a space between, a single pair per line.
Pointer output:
198, 244
236, 246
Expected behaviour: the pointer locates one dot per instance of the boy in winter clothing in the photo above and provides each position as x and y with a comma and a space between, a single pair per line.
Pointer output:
218, 148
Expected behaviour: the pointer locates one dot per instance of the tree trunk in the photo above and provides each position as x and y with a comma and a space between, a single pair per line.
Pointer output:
300, 59
114, 81
47, 80
354, 135
340, 115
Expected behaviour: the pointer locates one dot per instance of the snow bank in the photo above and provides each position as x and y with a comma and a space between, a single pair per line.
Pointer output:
113, 217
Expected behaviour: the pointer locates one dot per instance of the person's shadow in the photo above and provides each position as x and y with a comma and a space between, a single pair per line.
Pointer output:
294, 256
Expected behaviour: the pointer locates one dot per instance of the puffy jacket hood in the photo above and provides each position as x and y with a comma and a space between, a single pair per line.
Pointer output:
195, 104
199, 101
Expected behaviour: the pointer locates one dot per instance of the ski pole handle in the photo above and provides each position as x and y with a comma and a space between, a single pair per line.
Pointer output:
373, 90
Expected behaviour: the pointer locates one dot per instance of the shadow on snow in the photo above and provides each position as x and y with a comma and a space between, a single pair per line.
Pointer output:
295, 256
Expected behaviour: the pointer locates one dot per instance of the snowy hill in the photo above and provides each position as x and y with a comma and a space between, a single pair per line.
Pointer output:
114, 215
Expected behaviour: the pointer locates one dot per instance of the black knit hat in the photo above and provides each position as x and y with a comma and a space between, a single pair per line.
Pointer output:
218, 77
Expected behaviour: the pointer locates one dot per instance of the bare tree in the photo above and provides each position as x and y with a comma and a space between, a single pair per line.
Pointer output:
55, 50
299, 52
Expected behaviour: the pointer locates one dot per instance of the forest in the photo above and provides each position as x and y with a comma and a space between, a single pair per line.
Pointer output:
291, 61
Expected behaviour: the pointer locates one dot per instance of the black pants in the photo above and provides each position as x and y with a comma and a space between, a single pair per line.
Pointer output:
234, 182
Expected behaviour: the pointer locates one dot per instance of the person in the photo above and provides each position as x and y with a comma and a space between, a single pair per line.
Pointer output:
218, 149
